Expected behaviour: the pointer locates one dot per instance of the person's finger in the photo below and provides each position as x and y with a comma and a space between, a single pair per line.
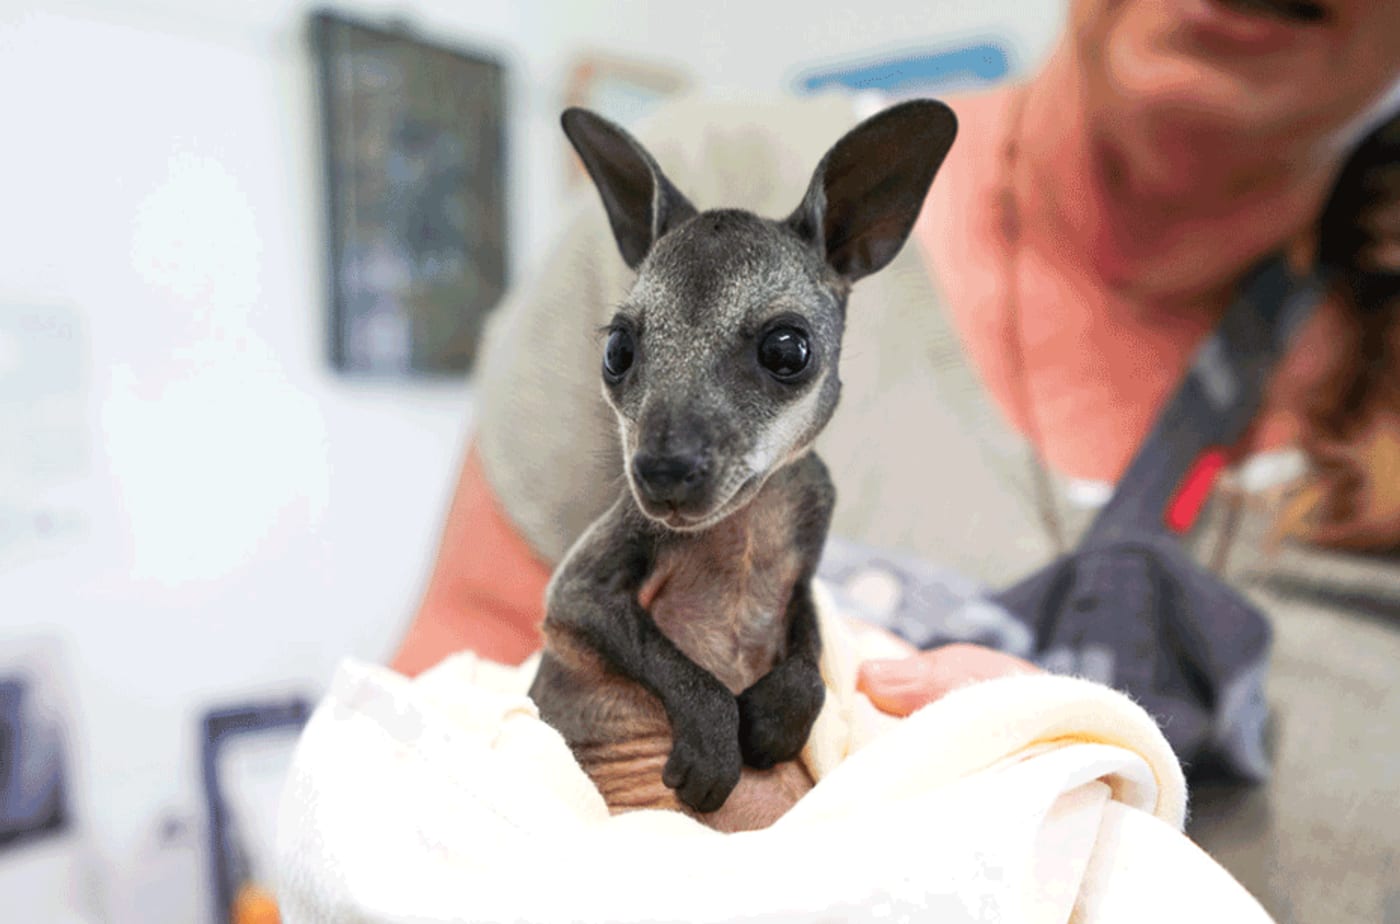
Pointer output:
904, 685
899, 687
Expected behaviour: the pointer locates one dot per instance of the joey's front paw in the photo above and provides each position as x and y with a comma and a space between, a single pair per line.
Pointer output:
777, 712
705, 763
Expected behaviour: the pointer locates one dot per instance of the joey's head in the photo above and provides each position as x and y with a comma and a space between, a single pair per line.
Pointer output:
721, 362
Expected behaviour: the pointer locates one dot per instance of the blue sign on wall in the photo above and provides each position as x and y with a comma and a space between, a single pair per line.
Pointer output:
911, 73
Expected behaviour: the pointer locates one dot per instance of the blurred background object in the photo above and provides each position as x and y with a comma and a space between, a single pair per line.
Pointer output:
195, 506
33, 787
961, 68
622, 89
415, 191
45, 867
246, 753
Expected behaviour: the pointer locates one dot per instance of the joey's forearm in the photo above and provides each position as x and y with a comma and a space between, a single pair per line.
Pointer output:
627, 638
804, 640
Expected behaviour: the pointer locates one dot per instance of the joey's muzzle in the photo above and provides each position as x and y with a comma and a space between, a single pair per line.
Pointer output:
677, 481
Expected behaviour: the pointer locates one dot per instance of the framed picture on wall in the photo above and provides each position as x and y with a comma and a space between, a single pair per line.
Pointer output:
413, 133
246, 753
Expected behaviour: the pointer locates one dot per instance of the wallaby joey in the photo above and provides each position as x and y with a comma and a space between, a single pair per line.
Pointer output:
681, 644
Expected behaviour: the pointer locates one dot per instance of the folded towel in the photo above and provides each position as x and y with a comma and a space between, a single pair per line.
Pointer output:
1024, 799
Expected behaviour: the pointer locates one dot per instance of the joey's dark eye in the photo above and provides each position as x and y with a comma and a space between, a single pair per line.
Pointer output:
784, 352
617, 355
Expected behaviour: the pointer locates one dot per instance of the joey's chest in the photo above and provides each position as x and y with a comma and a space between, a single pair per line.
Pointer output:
721, 595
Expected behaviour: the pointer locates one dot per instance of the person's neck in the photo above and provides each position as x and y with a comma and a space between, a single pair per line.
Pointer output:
1169, 233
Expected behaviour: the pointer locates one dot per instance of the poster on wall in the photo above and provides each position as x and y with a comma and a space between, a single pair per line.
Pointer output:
413, 133
969, 66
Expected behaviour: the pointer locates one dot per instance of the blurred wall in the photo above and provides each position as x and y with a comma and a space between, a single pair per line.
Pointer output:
238, 519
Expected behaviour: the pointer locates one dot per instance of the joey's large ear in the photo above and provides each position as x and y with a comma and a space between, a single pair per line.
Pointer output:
641, 203
868, 189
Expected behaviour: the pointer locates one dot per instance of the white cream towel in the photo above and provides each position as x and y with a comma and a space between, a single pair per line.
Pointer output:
1024, 799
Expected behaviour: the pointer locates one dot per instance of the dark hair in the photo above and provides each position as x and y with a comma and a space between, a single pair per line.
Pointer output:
1351, 499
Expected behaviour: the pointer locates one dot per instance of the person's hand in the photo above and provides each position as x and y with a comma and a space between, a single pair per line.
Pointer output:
903, 685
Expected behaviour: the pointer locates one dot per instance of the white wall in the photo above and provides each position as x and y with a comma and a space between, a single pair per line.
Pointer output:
246, 518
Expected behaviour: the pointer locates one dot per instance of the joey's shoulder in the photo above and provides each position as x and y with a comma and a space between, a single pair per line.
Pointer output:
800, 492
812, 478
617, 549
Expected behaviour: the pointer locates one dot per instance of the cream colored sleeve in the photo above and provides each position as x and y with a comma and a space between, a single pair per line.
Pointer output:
547, 440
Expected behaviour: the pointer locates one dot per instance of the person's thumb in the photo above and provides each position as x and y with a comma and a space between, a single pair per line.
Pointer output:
904, 685
899, 686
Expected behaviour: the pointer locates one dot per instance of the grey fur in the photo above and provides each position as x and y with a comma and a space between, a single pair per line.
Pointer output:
725, 660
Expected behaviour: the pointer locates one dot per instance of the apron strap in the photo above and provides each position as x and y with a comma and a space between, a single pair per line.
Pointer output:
1215, 403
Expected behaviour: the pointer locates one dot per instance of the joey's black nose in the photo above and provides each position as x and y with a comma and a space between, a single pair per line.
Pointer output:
670, 479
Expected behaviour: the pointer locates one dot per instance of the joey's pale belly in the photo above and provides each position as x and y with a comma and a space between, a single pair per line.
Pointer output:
735, 639
722, 596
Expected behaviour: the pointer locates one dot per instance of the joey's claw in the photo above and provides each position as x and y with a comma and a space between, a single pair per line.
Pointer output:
702, 780
777, 712
705, 762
